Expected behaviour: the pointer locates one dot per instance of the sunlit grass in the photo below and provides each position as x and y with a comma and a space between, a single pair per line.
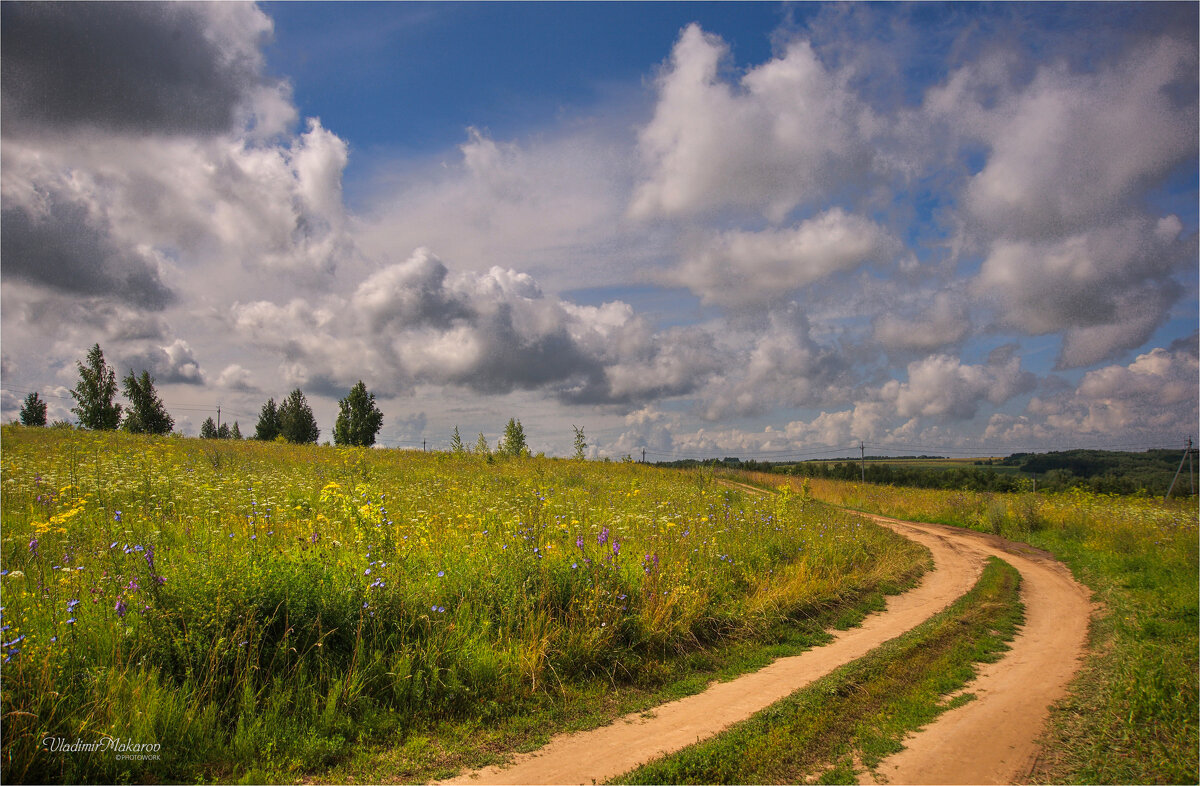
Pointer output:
270, 606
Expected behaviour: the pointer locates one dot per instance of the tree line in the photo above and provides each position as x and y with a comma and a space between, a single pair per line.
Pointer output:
358, 422
1099, 471
96, 408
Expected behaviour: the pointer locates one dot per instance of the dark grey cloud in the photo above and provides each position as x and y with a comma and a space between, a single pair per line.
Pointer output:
66, 251
120, 66
1188, 345
491, 333
512, 360
172, 364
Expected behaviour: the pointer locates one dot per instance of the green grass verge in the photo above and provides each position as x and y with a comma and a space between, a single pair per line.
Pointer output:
861, 711
1131, 716
440, 749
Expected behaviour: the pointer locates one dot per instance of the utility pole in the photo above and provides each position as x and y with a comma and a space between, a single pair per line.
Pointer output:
1187, 454
643, 455
862, 457
423, 446
218, 418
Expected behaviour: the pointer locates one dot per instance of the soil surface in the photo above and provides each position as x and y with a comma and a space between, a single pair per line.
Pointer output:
989, 740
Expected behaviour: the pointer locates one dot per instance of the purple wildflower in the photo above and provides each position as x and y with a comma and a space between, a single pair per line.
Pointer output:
602, 538
120, 608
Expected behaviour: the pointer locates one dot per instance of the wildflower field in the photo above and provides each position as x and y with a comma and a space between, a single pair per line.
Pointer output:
1133, 715
257, 607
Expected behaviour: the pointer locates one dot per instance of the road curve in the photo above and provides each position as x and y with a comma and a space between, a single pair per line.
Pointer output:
990, 740
608, 751
994, 739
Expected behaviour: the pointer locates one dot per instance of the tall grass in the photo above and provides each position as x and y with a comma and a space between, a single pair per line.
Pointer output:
259, 605
1132, 716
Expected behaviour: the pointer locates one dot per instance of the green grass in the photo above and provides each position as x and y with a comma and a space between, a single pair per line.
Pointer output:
268, 611
442, 749
858, 714
1133, 713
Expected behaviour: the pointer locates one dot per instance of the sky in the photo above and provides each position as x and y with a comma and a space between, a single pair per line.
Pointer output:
771, 231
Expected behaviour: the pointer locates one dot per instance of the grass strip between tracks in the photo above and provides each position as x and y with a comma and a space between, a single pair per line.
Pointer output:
857, 715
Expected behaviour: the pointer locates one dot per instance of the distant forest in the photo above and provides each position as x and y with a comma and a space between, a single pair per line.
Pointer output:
1101, 471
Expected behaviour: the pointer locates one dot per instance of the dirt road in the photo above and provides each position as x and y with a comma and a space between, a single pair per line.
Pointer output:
994, 738
986, 741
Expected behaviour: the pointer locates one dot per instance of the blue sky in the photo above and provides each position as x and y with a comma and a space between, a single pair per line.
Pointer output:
413, 76
750, 229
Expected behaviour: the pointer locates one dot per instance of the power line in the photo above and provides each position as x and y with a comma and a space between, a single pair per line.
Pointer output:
173, 407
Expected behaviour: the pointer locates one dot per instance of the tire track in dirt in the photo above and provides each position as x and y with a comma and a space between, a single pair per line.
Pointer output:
602, 753
994, 739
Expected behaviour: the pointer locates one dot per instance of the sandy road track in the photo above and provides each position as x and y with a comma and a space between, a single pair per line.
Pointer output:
994, 738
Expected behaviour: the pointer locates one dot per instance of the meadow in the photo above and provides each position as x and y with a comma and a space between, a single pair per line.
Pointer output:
260, 611
1133, 715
